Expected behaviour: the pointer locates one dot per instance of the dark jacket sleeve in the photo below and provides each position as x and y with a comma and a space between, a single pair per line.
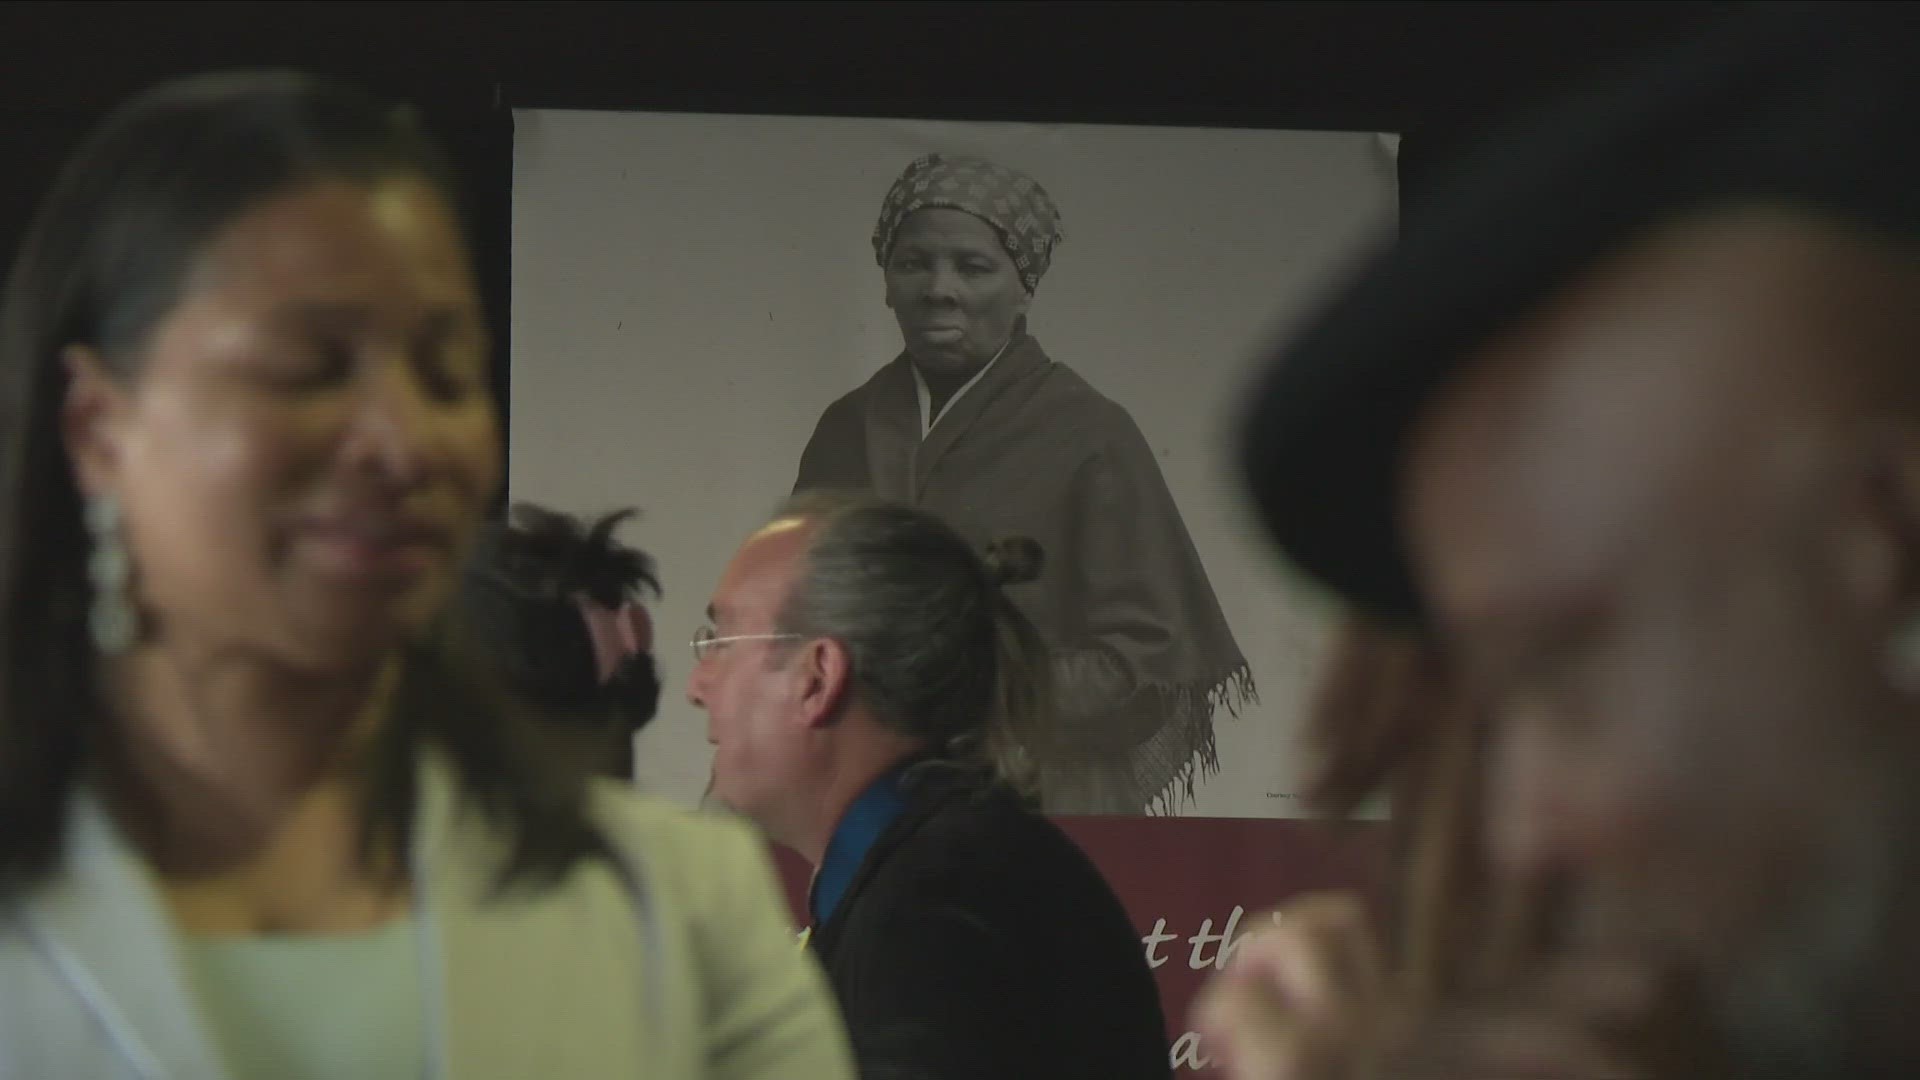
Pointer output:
925, 992
987, 947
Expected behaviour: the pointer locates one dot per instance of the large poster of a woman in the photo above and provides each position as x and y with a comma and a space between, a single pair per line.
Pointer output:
1031, 330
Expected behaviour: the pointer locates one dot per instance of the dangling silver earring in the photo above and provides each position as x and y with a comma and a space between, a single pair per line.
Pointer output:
110, 572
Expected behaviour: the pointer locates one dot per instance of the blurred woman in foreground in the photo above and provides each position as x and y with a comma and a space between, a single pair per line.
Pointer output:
254, 826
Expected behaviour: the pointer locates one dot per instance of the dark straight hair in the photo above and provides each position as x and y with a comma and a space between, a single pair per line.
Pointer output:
104, 261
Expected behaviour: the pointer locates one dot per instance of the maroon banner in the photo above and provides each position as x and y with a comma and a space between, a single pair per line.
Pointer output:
1195, 887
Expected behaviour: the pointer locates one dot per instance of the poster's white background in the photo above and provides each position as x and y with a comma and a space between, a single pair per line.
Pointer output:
690, 291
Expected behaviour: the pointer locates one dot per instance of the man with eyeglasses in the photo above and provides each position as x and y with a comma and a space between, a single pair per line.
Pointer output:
869, 688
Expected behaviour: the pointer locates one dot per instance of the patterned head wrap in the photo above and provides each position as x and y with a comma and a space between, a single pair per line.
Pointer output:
1015, 204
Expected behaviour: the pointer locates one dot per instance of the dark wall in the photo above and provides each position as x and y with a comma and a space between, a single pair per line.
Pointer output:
1434, 70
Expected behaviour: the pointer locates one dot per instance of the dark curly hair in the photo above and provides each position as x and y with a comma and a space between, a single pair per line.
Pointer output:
517, 606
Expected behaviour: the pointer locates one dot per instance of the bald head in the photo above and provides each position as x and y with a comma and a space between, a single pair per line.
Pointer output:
757, 582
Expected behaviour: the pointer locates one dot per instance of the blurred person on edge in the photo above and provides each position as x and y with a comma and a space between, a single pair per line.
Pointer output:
1647, 468
257, 822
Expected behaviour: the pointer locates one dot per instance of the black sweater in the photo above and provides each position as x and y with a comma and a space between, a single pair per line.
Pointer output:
978, 941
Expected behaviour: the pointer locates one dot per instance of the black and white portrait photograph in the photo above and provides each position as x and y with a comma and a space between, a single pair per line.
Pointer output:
1033, 331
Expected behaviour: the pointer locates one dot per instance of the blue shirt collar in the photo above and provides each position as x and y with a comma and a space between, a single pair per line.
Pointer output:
860, 827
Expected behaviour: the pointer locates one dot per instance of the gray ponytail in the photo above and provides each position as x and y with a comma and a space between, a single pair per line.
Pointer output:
938, 650
1023, 687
